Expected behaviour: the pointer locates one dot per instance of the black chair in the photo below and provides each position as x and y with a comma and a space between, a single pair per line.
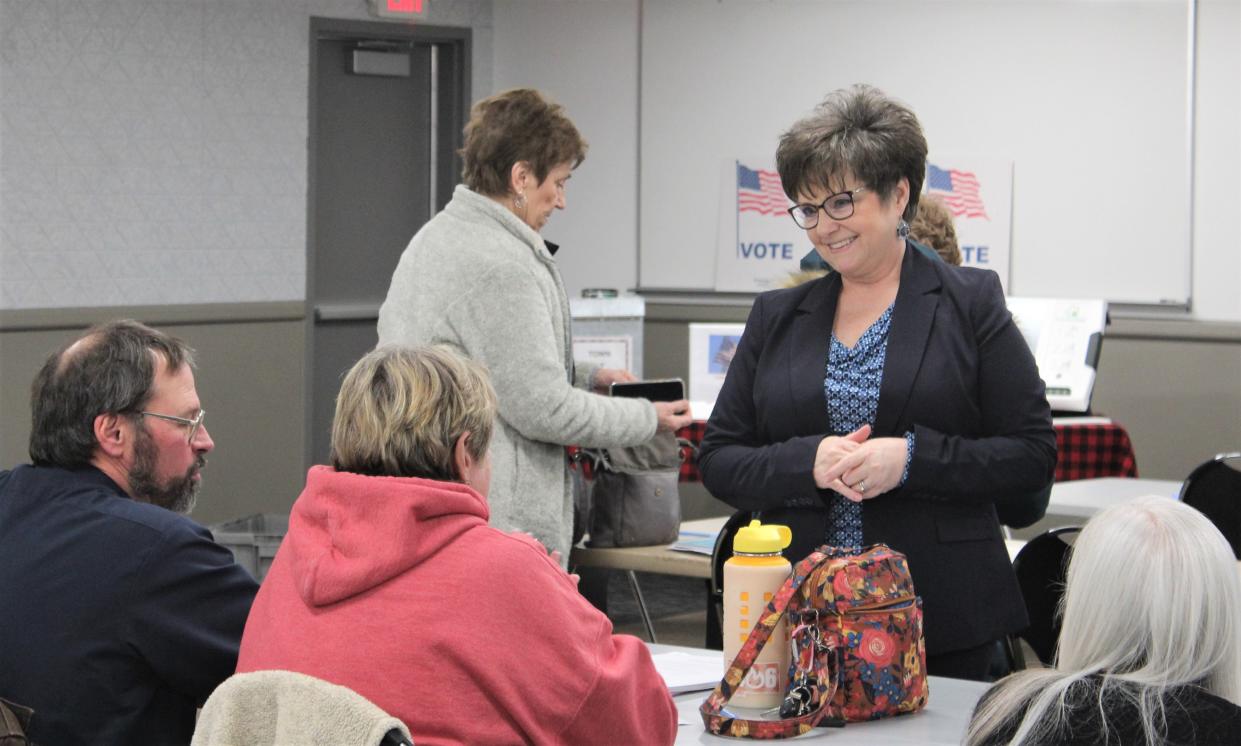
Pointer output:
1041, 567
1214, 489
14, 722
715, 587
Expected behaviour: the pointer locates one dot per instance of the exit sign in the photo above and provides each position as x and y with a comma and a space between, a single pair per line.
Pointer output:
406, 10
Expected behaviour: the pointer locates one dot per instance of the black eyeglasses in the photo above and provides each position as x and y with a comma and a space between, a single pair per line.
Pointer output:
838, 206
193, 424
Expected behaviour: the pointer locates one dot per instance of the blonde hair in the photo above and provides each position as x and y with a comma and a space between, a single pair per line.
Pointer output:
1152, 604
798, 278
933, 227
401, 410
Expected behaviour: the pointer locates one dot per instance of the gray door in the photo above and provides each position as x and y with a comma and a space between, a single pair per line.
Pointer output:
377, 169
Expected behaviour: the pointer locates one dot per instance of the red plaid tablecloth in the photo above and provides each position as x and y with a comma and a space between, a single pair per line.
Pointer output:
692, 432
1092, 451
1084, 451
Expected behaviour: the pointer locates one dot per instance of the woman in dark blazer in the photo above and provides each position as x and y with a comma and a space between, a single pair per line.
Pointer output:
892, 401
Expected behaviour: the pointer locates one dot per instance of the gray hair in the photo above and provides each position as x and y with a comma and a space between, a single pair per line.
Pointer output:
108, 370
401, 410
858, 130
1152, 604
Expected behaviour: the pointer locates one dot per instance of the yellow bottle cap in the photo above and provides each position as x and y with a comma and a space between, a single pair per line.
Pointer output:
758, 538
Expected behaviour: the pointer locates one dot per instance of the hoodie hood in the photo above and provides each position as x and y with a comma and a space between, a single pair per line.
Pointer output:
349, 533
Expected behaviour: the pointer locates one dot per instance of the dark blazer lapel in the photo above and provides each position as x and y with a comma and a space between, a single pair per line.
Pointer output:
907, 338
811, 333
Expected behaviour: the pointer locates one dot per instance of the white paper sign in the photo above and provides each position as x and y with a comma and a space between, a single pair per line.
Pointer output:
711, 349
606, 352
759, 245
978, 191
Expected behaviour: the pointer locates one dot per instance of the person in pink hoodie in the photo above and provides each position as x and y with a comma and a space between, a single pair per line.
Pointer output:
391, 583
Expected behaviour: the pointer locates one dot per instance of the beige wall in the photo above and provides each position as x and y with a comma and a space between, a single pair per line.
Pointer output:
250, 378
1176, 387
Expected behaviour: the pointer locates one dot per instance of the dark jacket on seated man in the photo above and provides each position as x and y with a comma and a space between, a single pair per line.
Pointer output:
118, 614
119, 617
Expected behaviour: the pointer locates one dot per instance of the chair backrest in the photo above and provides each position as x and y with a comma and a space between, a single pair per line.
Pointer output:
1041, 567
1214, 489
719, 555
269, 708
14, 722
724, 548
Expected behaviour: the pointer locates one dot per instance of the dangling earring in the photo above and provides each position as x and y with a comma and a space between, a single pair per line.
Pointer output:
519, 202
902, 230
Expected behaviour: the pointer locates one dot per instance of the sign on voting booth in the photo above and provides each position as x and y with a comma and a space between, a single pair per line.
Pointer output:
711, 350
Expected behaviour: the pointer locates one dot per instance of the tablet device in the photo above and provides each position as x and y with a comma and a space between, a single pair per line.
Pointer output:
664, 389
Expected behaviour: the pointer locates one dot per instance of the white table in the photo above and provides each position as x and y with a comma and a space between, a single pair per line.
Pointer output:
1082, 498
942, 721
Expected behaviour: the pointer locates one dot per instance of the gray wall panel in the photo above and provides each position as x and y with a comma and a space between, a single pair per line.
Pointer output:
250, 379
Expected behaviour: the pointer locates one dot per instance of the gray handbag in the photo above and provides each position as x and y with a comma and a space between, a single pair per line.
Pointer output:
634, 500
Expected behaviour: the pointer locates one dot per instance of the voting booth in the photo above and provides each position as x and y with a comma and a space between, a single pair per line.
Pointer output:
607, 331
1066, 337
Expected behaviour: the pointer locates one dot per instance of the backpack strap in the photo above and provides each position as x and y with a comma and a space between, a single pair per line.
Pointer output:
813, 692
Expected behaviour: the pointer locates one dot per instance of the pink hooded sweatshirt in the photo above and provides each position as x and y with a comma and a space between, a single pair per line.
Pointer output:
398, 589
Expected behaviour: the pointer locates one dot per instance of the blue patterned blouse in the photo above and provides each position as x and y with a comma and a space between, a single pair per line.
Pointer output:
851, 386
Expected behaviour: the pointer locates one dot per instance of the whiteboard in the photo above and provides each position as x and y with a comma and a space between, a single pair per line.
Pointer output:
1088, 98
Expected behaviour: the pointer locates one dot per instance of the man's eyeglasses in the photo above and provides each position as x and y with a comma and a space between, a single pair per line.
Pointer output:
193, 424
838, 206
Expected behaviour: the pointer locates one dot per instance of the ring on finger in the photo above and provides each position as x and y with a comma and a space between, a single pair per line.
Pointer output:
861, 486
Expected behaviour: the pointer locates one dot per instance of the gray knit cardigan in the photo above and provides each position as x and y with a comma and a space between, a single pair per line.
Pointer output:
480, 279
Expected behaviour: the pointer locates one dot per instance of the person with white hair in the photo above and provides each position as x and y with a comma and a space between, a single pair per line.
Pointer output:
1150, 646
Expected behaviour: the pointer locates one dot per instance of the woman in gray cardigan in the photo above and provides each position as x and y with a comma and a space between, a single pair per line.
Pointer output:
479, 276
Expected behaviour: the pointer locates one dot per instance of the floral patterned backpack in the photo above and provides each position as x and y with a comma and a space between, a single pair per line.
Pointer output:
856, 641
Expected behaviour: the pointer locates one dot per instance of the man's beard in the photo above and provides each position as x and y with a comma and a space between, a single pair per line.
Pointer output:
178, 494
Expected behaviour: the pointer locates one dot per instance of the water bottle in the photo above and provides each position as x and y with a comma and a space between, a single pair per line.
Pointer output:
752, 577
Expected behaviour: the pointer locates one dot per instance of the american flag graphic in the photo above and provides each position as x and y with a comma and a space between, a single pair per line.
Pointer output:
760, 191
958, 190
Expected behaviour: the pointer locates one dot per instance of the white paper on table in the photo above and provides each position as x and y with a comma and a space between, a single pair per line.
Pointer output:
689, 672
696, 542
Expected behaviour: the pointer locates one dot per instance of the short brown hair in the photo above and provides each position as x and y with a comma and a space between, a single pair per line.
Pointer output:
857, 130
513, 126
933, 227
401, 410
108, 370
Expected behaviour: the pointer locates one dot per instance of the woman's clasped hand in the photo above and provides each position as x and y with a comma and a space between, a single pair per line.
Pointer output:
857, 466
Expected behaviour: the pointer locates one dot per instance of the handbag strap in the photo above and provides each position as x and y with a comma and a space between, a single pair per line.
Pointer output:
817, 691
688, 451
